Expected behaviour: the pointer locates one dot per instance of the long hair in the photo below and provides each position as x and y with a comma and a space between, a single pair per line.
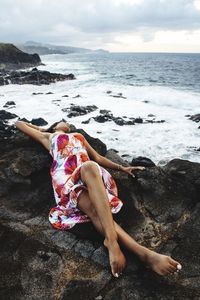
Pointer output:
51, 128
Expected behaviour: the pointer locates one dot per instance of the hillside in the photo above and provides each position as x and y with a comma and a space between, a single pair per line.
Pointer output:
13, 58
43, 49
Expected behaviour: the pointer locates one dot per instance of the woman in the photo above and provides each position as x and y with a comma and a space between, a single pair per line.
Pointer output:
85, 191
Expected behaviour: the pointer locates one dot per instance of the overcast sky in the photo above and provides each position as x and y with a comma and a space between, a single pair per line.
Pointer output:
114, 25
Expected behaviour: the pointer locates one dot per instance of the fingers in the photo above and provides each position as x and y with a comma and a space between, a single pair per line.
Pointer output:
140, 168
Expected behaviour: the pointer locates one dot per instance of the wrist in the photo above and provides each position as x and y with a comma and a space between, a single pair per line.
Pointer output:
119, 167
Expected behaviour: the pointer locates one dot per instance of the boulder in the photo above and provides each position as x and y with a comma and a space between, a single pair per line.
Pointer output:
161, 210
195, 118
9, 103
76, 110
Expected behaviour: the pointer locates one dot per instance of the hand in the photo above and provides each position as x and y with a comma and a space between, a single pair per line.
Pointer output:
129, 170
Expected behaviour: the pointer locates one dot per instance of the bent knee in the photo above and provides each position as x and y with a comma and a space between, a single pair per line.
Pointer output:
89, 167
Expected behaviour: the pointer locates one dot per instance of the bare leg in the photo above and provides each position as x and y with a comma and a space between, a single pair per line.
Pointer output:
161, 264
91, 176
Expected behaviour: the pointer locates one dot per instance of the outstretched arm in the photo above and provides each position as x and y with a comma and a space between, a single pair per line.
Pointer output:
34, 132
107, 163
34, 126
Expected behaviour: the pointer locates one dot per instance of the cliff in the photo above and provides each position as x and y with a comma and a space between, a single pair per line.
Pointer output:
13, 58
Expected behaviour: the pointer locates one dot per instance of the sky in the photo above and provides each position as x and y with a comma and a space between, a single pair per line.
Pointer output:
114, 25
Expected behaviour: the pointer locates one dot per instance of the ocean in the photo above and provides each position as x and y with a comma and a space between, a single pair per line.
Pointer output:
154, 86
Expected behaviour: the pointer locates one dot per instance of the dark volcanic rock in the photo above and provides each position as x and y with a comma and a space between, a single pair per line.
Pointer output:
76, 110
107, 116
195, 118
35, 76
39, 122
104, 111
13, 58
119, 95
37, 93
9, 103
4, 115
142, 161
161, 210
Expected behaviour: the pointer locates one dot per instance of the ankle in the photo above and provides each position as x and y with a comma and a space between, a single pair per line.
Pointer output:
143, 253
110, 242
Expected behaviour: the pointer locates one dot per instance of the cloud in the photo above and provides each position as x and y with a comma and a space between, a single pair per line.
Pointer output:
78, 22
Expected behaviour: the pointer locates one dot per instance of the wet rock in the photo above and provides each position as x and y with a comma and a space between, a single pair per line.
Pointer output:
76, 110
39, 122
6, 115
106, 116
37, 93
142, 161
153, 121
35, 76
104, 111
138, 120
9, 103
195, 118
119, 95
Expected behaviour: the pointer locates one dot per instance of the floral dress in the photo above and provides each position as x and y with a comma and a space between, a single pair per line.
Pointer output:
69, 154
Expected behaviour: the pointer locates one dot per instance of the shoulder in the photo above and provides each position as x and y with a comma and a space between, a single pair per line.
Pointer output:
79, 136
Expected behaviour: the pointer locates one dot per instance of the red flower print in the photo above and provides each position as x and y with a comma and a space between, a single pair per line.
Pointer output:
115, 201
76, 176
58, 189
62, 141
84, 157
70, 164
53, 166
79, 136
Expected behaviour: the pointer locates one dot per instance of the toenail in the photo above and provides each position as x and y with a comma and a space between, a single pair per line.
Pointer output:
179, 267
116, 275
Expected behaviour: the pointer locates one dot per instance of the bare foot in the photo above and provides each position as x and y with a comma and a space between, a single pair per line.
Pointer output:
161, 264
116, 258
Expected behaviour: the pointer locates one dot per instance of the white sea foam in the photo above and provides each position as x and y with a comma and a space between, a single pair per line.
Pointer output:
176, 138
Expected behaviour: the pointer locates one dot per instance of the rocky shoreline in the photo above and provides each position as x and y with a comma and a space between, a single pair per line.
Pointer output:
12, 59
35, 76
161, 210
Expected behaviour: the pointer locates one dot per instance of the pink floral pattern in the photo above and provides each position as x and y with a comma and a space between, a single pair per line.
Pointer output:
69, 154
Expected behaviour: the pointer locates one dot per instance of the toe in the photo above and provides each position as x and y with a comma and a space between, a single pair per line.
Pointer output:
174, 262
114, 270
173, 267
